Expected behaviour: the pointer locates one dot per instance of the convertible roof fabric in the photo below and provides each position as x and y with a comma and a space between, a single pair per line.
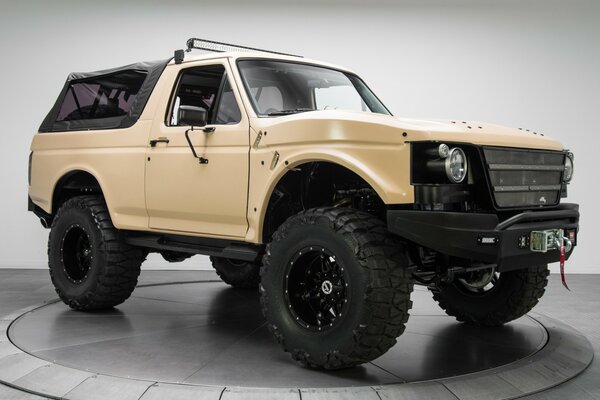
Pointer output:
153, 70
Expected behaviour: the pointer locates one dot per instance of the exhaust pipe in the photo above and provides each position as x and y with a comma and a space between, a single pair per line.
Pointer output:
45, 223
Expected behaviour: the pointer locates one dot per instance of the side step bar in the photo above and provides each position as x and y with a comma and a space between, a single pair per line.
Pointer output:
196, 245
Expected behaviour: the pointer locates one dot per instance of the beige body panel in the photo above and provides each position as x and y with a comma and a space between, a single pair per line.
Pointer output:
114, 157
228, 197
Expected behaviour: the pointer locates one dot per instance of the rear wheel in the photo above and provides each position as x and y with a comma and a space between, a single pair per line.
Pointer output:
335, 287
489, 298
90, 265
239, 274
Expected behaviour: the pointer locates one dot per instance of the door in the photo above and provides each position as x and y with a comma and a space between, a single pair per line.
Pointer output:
182, 194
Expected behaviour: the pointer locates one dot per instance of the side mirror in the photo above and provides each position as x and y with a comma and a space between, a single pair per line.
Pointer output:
191, 115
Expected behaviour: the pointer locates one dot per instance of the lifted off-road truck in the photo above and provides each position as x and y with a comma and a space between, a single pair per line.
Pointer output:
296, 180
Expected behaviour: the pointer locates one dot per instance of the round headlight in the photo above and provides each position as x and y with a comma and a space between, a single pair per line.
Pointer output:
568, 174
456, 165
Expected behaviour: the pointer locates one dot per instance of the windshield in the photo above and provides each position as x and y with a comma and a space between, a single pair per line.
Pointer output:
282, 88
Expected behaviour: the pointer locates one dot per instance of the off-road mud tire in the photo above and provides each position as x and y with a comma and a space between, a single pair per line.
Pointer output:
114, 265
380, 286
517, 292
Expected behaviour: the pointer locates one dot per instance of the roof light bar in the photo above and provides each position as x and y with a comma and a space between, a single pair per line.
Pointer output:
220, 47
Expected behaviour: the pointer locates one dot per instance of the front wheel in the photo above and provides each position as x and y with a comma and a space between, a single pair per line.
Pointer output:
490, 298
335, 287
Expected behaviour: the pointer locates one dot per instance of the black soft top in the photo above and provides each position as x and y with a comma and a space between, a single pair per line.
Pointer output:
153, 70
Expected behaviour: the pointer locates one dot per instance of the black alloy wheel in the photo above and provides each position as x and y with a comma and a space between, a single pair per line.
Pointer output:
316, 288
76, 253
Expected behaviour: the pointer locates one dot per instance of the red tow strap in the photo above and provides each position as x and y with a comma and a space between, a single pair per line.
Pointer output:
562, 267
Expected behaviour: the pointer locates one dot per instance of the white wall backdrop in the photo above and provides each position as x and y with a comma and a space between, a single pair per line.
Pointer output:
522, 63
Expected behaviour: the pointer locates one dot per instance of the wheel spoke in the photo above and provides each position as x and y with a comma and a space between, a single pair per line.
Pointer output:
316, 288
495, 278
325, 265
313, 294
338, 288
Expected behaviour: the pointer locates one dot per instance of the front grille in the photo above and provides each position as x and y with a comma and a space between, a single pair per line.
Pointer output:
522, 178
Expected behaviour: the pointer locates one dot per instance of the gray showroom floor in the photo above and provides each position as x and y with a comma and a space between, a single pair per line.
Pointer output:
205, 333
23, 288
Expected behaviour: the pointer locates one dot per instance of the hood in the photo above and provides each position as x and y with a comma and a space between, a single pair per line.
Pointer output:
378, 128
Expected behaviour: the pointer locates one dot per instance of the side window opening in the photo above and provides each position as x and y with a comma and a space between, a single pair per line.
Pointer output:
209, 88
102, 97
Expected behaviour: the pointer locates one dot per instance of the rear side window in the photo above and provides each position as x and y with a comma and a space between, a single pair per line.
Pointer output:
105, 96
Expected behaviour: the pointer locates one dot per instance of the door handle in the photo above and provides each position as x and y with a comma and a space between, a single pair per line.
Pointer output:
153, 142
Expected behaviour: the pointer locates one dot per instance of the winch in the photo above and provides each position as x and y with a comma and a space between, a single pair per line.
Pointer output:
552, 239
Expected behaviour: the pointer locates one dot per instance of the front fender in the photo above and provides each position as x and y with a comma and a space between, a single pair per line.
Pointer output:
385, 167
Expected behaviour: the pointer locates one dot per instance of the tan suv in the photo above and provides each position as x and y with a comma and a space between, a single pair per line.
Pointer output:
295, 178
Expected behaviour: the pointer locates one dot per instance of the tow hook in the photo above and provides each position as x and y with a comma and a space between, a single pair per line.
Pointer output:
565, 245
552, 239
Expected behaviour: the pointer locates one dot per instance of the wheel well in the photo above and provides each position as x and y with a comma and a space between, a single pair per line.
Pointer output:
319, 184
74, 183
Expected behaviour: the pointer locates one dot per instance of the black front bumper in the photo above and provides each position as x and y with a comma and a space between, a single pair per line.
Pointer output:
483, 237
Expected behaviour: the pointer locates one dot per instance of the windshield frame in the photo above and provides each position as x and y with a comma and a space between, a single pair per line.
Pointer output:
348, 74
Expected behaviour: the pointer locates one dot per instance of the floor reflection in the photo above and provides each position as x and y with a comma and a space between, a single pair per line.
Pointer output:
208, 333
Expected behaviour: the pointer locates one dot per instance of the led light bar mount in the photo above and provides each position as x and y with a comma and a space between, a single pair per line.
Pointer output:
219, 47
